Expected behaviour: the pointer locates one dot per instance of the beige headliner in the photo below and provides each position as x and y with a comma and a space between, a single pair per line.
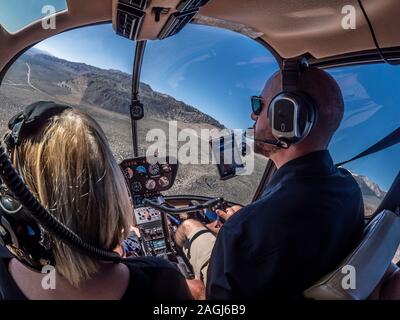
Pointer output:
291, 27
295, 27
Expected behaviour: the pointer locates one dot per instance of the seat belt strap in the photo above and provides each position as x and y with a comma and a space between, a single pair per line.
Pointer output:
390, 140
188, 244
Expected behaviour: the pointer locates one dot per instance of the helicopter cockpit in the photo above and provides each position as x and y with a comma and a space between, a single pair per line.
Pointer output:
170, 81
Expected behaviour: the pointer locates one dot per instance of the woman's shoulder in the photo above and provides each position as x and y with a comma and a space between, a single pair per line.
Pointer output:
157, 278
153, 267
148, 262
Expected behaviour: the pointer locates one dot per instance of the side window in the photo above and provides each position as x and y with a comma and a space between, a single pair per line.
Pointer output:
372, 112
77, 68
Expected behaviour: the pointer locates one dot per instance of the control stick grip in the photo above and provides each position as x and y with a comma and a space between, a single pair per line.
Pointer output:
212, 203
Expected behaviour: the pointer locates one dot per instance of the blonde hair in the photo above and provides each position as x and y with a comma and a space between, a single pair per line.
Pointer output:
69, 167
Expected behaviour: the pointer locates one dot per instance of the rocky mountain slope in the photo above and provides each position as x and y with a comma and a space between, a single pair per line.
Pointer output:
109, 89
372, 193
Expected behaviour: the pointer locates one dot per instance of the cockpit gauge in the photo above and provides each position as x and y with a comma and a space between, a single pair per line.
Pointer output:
129, 173
154, 169
145, 178
136, 186
141, 170
150, 184
163, 181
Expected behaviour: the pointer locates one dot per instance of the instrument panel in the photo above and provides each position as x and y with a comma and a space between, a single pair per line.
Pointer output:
145, 178
146, 214
149, 223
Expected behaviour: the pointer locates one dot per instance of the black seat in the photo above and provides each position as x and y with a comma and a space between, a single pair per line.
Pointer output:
371, 260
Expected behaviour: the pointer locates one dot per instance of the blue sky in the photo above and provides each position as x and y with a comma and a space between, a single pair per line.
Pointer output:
191, 73
217, 71
16, 14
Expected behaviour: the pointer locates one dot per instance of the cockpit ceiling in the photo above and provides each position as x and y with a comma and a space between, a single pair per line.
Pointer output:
291, 27
296, 27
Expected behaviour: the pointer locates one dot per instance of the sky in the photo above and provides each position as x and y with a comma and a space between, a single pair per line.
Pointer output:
197, 71
16, 14
217, 71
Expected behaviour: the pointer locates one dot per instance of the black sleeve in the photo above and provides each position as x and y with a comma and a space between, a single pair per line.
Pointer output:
171, 285
232, 270
223, 282
8, 288
238, 271
155, 278
247, 260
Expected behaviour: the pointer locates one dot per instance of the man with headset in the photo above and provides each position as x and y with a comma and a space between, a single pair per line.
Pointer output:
310, 215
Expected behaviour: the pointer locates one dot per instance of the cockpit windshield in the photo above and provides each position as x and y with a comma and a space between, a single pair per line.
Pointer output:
200, 79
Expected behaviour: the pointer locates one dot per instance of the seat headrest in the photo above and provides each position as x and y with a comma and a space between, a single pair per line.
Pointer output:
369, 262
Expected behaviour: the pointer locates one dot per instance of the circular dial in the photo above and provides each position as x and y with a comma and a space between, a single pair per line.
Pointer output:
154, 169
163, 182
150, 184
141, 170
136, 186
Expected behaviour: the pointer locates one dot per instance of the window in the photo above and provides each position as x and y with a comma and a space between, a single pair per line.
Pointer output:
15, 15
202, 78
78, 68
371, 94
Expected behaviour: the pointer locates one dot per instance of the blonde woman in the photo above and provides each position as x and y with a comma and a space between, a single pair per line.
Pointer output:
68, 165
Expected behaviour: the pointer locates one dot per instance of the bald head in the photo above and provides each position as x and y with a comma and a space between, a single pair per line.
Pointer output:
326, 94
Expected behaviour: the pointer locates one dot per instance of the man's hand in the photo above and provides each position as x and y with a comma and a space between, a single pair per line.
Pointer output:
229, 212
197, 289
189, 226
215, 226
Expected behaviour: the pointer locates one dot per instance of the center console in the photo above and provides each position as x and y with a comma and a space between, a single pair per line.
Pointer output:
150, 224
146, 181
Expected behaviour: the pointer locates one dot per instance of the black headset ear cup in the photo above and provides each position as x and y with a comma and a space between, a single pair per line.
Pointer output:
22, 236
299, 117
303, 114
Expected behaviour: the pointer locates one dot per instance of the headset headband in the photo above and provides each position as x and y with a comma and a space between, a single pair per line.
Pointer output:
290, 75
31, 119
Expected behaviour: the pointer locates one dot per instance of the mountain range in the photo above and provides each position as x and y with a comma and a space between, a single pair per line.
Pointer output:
372, 193
108, 89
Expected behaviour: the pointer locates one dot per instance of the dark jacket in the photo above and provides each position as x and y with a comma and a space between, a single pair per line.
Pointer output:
308, 219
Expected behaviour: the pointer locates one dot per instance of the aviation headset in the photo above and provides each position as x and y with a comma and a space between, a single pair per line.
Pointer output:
292, 113
25, 225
